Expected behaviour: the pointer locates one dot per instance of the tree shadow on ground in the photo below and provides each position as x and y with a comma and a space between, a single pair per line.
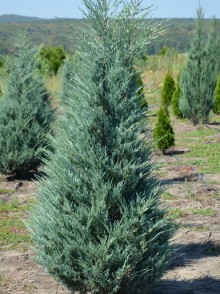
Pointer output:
177, 180
185, 255
176, 152
214, 123
189, 252
204, 285
28, 176
216, 129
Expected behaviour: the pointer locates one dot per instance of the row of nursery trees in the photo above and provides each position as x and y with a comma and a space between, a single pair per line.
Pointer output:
97, 225
197, 91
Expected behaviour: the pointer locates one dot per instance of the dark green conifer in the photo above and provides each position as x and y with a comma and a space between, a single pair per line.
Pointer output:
51, 59
163, 51
175, 99
216, 107
98, 226
25, 112
163, 131
140, 92
168, 89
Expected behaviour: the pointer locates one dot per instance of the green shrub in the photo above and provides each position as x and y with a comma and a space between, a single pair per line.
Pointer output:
25, 112
1, 62
163, 51
168, 89
163, 131
175, 100
98, 226
51, 58
216, 107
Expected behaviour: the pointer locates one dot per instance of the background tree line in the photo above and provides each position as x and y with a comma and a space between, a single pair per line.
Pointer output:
54, 32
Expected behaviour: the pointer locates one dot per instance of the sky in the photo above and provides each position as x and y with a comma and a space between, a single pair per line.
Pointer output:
70, 8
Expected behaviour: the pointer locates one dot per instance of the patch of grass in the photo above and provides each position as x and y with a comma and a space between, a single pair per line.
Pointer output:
214, 182
176, 212
4, 281
209, 153
193, 228
10, 206
206, 211
168, 196
199, 134
53, 85
29, 287
197, 162
216, 195
6, 191
13, 233
214, 118
188, 189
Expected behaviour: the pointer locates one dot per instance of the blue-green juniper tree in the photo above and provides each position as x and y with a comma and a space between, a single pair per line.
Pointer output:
26, 114
98, 226
67, 85
199, 76
216, 106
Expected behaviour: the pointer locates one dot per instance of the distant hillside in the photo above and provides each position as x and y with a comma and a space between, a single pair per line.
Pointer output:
51, 32
18, 18
55, 32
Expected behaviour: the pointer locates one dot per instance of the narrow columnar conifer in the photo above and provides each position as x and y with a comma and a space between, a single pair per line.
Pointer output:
216, 107
168, 89
98, 226
198, 78
25, 112
213, 50
175, 99
163, 131
140, 92
67, 85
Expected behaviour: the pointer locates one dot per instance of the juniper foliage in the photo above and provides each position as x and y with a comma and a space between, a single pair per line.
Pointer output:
67, 81
25, 112
216, 107
213, 60
213, 49
175, 99
198, 78
98, 226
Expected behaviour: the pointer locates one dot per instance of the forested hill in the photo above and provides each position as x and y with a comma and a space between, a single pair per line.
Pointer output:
55, 32
18, 18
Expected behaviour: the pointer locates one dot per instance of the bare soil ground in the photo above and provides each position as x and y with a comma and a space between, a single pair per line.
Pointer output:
194, 201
